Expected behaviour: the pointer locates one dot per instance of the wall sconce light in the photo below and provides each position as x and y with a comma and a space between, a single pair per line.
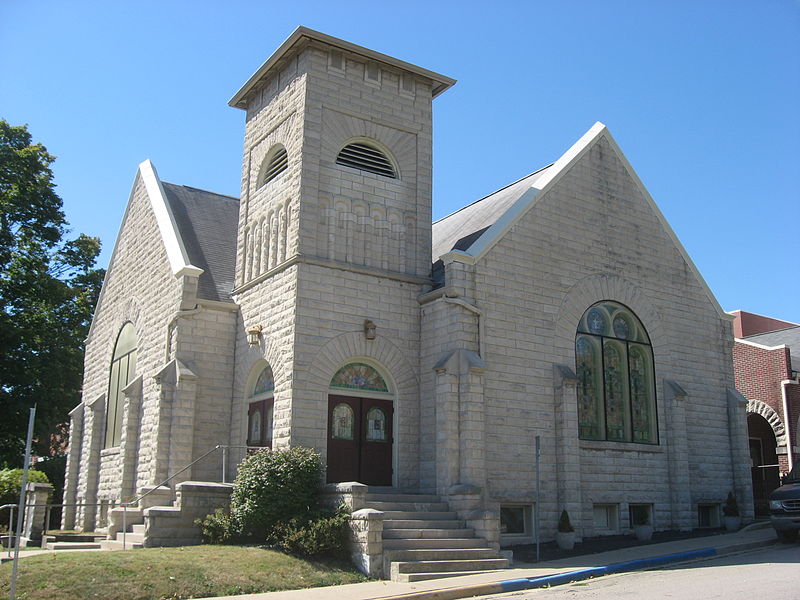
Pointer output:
254, 335
369, 329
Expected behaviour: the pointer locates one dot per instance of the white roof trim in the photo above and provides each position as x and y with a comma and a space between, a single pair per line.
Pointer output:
176, 251
551, 177
755, 345
146, 171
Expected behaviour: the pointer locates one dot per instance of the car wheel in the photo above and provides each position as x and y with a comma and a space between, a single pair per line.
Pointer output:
787, 535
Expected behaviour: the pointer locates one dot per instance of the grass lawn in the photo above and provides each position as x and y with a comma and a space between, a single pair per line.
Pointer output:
169, 573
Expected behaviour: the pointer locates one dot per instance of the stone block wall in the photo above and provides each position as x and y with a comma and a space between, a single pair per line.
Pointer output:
139, 288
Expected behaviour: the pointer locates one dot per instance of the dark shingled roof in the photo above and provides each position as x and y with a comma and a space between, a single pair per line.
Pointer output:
207, 223
461, 229
782, 337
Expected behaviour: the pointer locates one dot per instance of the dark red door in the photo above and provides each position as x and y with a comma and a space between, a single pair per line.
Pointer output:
360, 440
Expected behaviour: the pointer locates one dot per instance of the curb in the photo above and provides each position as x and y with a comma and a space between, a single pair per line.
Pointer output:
528, 583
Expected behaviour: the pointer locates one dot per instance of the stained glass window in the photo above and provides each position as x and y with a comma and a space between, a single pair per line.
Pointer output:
255, 427
616, 384
589, 406
359, 376
376, 425
342, 422
123, 371
265, 382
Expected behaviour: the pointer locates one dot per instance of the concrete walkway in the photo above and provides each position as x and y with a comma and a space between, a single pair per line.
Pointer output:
526, 576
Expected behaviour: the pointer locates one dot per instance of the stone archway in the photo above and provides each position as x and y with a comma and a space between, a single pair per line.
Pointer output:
767, 435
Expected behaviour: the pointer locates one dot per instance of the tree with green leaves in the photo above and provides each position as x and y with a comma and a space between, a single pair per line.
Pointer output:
48, 289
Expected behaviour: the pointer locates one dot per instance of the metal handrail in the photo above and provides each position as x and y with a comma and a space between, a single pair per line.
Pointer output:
135, 499
11, 533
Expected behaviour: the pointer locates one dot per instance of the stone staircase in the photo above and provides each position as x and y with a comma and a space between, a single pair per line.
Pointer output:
133, 538
423, 539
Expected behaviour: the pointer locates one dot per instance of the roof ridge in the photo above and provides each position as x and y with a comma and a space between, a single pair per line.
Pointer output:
505, 187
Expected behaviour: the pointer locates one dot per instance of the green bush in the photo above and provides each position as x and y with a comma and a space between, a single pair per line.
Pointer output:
322, 534
273, 487
10, 483
216, 528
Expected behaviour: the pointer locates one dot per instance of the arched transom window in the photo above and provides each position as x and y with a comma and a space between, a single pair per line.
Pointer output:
616, 381
123, 371
261, 409
359, 376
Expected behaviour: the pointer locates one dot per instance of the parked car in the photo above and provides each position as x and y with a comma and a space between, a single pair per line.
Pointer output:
784, 507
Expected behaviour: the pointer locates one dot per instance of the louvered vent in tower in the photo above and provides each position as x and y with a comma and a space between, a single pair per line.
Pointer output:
366, 158
275, 166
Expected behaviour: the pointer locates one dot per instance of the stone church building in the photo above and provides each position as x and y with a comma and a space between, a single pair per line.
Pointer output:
323, 309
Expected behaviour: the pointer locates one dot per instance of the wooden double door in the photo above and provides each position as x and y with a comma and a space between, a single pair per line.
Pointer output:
360, 440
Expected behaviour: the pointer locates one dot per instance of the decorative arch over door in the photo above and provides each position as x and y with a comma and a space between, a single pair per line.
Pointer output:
360, 426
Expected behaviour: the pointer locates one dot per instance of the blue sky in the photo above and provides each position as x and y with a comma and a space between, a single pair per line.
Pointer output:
703, 96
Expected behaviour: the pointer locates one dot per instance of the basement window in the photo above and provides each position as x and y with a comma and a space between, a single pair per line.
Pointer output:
516, 524
364, 157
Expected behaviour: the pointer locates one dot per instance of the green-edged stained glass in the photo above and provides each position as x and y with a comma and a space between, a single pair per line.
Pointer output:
589, 401
641, 405
359, 376
343, 422
376, 425
615, 393
265, 382
616, 381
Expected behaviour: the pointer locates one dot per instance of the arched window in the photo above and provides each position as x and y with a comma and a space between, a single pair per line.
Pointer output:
359, 376
365, 157
275, 163
616, 382
260, 410
123, 371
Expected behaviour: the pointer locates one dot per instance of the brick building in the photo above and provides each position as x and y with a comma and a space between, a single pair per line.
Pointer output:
766, 357
324, 309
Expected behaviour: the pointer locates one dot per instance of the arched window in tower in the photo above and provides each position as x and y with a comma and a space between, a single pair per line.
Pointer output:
123, 371
261, 409
616, 383
366, 157
275, 163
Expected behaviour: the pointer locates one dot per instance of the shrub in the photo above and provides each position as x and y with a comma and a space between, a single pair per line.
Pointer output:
10, 483
564, 526
731, 508
324, 534
273, 487
216, 528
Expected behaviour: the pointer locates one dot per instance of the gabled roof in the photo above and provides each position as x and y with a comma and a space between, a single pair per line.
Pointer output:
461, 229
207, 224
440, 82
468, 237
197, 228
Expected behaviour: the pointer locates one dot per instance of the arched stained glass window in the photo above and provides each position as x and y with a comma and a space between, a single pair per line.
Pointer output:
265, 382
123, 371
261, 409
359, 376
376, 425
616, 384
343, 422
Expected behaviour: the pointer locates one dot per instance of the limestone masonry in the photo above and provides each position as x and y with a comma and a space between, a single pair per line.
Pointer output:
323, 309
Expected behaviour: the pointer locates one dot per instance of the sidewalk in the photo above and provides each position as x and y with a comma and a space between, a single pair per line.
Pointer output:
521, 575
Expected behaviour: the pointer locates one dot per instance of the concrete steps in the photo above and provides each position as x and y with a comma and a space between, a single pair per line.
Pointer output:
423, 539
132, 539
73, 546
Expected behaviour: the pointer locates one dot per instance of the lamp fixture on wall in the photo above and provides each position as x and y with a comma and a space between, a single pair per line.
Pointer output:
254, 335
369, 329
